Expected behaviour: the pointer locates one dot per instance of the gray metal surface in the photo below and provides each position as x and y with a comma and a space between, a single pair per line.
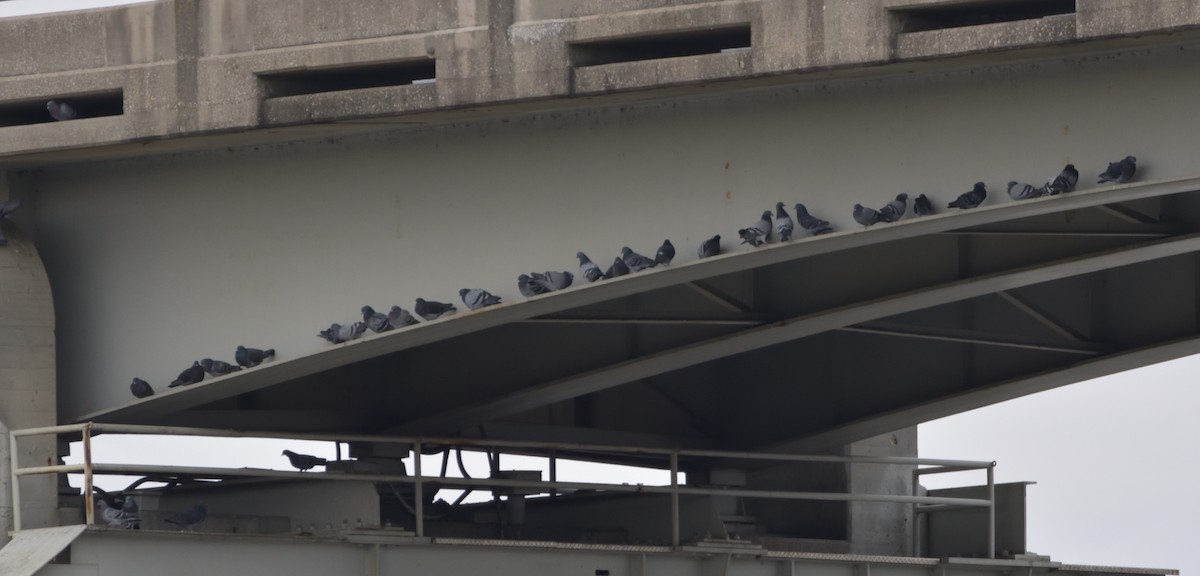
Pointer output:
31, 549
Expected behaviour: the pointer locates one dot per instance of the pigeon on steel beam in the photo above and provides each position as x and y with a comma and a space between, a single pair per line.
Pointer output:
922, 206
552, 280
757, 234
665, 254
398, 317
528, 288
812, 225
1024, 191
636, 262
865, 216
190, 375
971, 198
783, 223
217, 367
1064, 182
1120, 171
141, 388
476, 298
618, 268
894, 210
710, 247
251, 357
588, 269
304, 461
376, 321
431, 310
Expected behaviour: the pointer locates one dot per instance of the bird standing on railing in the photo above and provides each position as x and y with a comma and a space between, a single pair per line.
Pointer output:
304, 461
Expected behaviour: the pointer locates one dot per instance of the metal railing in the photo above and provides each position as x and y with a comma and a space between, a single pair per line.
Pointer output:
89, 468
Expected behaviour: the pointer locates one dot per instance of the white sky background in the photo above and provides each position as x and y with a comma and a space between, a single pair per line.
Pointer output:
1116, 460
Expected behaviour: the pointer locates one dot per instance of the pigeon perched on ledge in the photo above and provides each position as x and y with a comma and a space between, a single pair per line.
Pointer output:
190, 375
588, 269
757, 234
304, 461
376, 321
251, 357
1120, 171
338, 333
217, 367
665, 254
1024, 191
1064, 182
971, 198
552, 280
922, 206
61, 110
811, 225
783, 223
865, 216
476, 298
618, 268
710, 247
431, 310
895, 209
398, 317
141, 388
634, 261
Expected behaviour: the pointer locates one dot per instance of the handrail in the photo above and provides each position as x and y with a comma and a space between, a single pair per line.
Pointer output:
920, 504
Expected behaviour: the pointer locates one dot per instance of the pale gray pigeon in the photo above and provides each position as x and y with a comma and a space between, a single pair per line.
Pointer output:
398, 317
476, 298
588, 269
757, 234
783, 223
1064, 182
553, 280
529, 288
634, 261
895, 209
338, 333
376, 321
1024, 191
865, 216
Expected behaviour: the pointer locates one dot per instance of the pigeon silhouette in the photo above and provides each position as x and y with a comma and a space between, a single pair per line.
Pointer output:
710, 247
971, 198
1024, 191
189, 519
431, 310
190, 375
1064, 182
376, 321
251, 357
757, 234
922, 206
634, 261
894, 210
618, 268
217, 368
665, 254
304, 461
61, 110
865, 216
476, 298
141, 388
398, 317
588, 269
1120, 171
811, 225
783, 223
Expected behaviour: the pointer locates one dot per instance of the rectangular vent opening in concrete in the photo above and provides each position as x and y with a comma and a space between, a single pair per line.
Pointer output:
319, 80
67, 107
943, 16
663, 45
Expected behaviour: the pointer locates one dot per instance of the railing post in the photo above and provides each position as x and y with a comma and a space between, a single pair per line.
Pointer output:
915, 537
991, 496
418, 489
553, 472
675, 499
16, 481
89, 511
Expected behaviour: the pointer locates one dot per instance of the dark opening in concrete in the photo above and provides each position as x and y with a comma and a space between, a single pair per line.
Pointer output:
316, 81
93, 105
920, 19
657, 46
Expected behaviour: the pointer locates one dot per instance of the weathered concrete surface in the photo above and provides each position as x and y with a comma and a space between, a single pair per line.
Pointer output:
877, 528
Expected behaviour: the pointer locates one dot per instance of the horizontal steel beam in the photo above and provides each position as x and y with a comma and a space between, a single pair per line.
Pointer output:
650, 321
976, 337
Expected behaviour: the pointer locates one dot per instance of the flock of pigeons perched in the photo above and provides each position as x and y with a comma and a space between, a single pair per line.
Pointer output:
245, 358
123, 512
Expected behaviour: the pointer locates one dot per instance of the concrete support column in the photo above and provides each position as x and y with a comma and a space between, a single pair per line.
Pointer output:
876, 527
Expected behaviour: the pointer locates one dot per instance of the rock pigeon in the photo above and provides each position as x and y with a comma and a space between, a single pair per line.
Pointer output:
141, 388
710, 247
970, 199
126, 519
865, 216
431, 310
894, 210
783, 223
812, 225
6, 209
1120, 171
618, 268
251, 357
218, 368
588, 269
1024, 191
757, 234
634, 261
376, 321
552, 280
189, 519
191, 375
476, 298
304, 461
922, 206
528, 288
338, 333
1064, 182
398, 317
61, 110
665, 254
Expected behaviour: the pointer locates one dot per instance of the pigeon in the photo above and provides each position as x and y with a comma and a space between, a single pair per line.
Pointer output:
6, 209
588, 269
125, 517
251, 357
141, 388
529, 288
190, 518
865, 216
970, 199
1120, 171
1023, 191
757, 234
618, 268
636, 262
783, 223
376, 321
398, 317
304, 461
812, 225
61, 110
217, 368
338, 333
431, 310
476, 298
665, 254
191, 375
710, 247
1064, 182
894, 210
922, 206
552, 280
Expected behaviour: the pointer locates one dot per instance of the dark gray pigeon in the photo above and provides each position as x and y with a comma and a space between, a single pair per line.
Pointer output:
251, 357
634, 261
476, 298
588, 269
865, 216
757, 234
894, 210
812, 225
710, 247
376, 321
553, 280
922, 206
190, 375
431, 310
1120, 171
783, 223
398, 317
971, 198
618, 268
6, 209
189, 519
61, 110
1064, 182
1024, 191
529, 288
304, 461
218, 368
141, 388
665, 254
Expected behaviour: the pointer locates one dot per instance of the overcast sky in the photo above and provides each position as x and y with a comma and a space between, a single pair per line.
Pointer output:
1115, 459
